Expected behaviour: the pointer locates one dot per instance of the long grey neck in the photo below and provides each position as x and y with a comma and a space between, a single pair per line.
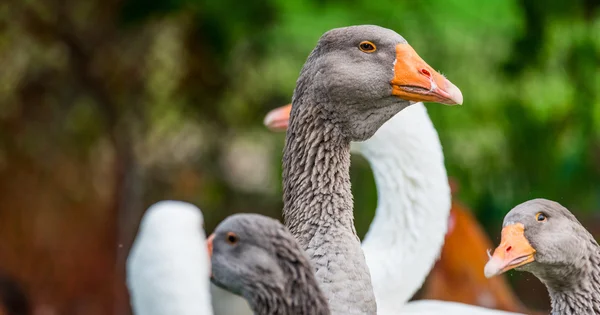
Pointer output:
318, 209
299, 294
578, 289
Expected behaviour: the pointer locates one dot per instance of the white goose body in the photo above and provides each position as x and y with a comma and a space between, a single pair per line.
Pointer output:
411, 220
168, 267
408, 230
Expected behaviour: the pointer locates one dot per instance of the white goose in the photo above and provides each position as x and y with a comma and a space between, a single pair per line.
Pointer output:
407, 233
168, 267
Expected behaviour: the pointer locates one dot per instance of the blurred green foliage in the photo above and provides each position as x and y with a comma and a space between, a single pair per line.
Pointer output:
528, 70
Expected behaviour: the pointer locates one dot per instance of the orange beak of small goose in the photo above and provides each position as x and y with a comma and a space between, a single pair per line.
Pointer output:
209, 245
514, 251
278, 118
414, 80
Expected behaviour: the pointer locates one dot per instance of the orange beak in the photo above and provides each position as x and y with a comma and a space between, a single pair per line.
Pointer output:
414, 80
209, 245
514, 251
279, 118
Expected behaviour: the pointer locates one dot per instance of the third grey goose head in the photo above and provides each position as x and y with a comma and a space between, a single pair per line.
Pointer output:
354, 80
543, 237
256, 257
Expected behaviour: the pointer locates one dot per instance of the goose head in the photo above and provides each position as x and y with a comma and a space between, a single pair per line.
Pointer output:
358, 77
256, 257
242, 254
247, 249
542, 237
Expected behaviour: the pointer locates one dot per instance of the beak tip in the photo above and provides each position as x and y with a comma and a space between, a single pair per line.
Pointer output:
458, 99
278, 119
492, 268
454, 93
268, 121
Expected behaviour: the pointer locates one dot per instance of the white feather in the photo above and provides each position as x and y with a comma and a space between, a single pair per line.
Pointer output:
407, 234
168, 268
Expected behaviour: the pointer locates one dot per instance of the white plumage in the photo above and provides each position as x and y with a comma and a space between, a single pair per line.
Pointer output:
168, 268
407, 234
408, 230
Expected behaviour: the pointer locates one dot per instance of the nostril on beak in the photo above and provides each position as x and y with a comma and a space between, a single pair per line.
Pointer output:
426, 73
508, 249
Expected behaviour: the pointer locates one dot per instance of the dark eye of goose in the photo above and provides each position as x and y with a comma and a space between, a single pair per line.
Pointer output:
540, 217
367, 47
231, 238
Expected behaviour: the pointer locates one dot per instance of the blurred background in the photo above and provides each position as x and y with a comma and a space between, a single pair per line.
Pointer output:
108, 106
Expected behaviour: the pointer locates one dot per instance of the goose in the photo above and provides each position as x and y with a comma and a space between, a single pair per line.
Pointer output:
256, 257
168, 267
354, 80
457, 276
407, 233
542, 237
401, 246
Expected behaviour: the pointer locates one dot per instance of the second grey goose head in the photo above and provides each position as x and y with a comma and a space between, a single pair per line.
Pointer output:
256, 257
360, 76
543, 237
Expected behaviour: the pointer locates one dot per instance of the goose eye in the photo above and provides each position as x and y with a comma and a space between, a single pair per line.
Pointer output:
232, 238
367, 47
540, 217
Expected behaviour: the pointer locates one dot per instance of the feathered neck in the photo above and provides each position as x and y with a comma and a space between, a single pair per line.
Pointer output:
298, 294
318, 208
577, 290
407, 233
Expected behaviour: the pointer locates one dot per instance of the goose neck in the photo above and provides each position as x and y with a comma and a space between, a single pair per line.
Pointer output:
316, 172
318, 209
578, 291
300, 296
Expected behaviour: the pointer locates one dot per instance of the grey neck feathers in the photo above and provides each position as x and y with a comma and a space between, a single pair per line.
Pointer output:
297, 294
318, 208
577, 290
316, 166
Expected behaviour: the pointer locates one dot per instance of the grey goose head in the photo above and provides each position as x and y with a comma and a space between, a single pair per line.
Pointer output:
360, 76
543, 237
256, 257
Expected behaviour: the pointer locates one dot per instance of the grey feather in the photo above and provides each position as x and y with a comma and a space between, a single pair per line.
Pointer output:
567, 258
342, 95
266, 266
